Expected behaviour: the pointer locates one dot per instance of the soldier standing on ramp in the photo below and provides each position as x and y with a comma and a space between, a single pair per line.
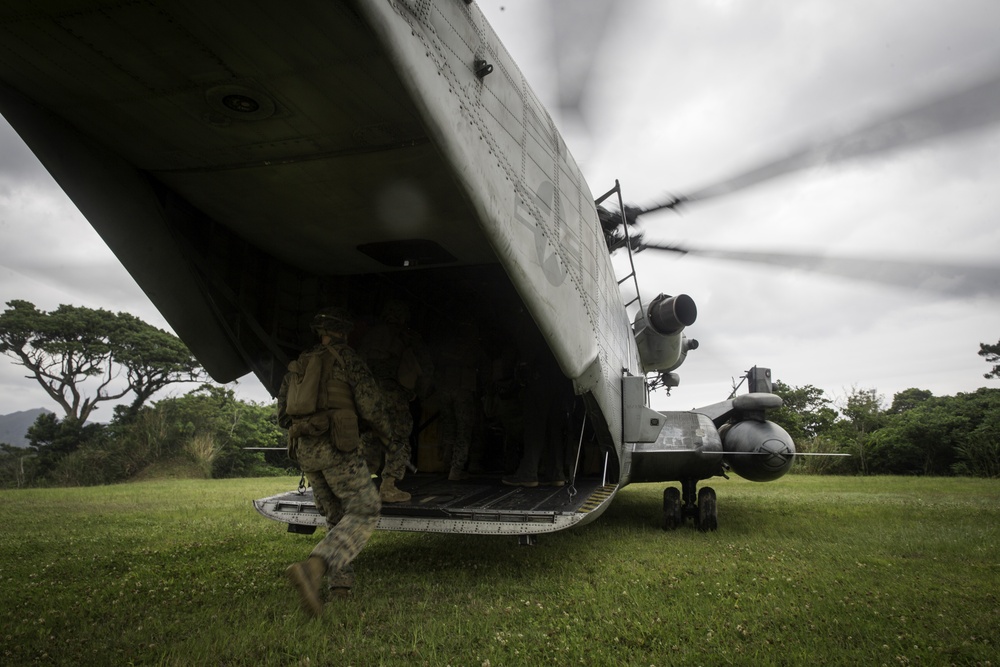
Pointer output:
321, 398
399, 361
459, 357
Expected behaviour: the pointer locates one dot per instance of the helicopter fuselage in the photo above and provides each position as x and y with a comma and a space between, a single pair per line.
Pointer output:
249, 165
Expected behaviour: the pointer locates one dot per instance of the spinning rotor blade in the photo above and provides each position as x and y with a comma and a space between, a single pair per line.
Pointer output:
952, 279
969, 108
577, 33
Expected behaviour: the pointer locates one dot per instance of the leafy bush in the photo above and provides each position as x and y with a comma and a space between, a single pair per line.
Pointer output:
208, 426
979, 456
821, 465
203, 450
212, 413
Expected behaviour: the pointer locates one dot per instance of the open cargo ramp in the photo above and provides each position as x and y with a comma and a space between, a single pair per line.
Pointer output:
482, 506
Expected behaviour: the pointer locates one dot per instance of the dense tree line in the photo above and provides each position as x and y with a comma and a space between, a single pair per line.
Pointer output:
916, 434
82, 357
202, 433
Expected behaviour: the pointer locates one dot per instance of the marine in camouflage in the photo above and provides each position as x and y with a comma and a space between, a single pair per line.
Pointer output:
400, 363
341, 483
348, 481
456, 380
400, 420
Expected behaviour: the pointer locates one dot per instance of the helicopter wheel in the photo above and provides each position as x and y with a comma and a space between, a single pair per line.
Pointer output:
707, 515
673, 517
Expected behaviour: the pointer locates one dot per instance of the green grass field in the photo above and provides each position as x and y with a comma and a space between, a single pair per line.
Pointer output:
807, 570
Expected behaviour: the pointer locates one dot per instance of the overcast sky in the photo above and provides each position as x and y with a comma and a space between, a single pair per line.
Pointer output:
682, 95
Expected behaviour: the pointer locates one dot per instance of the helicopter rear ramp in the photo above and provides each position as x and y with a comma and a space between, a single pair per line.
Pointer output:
476, 506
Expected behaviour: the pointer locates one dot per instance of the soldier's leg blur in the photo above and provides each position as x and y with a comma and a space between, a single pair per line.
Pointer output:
447, 425
373, 452
477, 444
398, 404
552, 471
512, 419
457, 430
465, 420
395, 462
535, 405
326, 502
331, 508
350, 481
562, 433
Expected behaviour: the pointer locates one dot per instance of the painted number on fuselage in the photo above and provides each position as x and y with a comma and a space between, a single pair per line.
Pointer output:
554, 270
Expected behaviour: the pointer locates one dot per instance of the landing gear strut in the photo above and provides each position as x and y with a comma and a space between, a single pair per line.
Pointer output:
697, 505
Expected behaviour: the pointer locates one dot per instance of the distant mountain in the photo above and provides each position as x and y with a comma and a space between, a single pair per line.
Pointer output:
14, 426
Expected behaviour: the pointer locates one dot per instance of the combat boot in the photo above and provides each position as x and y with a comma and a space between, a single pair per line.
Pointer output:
390, 494
341, 582
307, 577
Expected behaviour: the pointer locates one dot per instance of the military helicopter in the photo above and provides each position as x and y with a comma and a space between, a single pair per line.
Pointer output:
364, 151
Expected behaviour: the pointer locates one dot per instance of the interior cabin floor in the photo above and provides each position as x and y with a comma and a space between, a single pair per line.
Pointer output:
434, 496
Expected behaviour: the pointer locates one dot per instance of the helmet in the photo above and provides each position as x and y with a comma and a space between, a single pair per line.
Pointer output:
334, 319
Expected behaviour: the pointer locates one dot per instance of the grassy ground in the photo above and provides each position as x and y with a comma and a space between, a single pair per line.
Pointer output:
807, 570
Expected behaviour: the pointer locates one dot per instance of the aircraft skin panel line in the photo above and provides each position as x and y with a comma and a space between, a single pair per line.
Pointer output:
452, 99
520, 189
228, 107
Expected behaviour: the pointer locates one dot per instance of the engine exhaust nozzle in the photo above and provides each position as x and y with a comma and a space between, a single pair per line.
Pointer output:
670, 314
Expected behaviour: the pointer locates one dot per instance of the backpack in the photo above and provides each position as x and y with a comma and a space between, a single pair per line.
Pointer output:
303, 384
313, 414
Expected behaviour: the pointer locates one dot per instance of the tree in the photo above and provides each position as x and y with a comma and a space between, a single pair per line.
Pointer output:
82, 357
941, 435
152, 359
15, 466
863, 409
908, 399
992, 355
863, 415
806, 412
213, 427
53, 440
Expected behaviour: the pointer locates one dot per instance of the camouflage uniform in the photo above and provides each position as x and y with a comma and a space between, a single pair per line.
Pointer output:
456, 380
398, 360
545, 397
397, 405
341, 483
